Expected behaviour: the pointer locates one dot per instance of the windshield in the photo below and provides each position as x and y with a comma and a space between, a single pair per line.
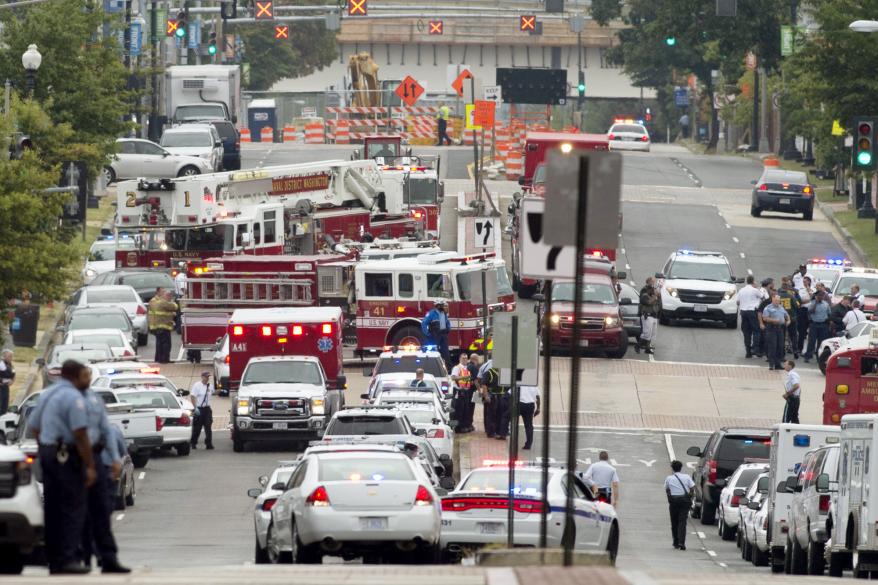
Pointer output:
82, 355
215, 238
410, 363
680, 269
422, 190
102, 251
119, 295
102, 320
497, 480
110, 339
186, 139
369, 469
591, 293
148, 399
366, 425
200, 112
283, 373
868, 288
147, 280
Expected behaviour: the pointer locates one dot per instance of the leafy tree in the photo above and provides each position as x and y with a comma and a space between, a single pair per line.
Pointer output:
82, 80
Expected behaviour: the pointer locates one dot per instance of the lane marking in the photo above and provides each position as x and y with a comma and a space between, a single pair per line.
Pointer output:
141, 475
670, 447
736, 240
120, 516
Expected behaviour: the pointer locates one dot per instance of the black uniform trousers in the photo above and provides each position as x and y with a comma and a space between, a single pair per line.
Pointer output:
774, 344
97, 534
526, 412
64, 504
162, 345
497, 415
204, 420
679, 514
750, 329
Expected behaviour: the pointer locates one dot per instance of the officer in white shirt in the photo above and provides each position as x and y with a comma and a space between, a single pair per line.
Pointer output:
528, 408
200, 396
854, 316
603, 479
749, 299
678, 487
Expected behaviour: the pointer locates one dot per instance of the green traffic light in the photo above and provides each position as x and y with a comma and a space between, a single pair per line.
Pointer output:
864, 158
670, 41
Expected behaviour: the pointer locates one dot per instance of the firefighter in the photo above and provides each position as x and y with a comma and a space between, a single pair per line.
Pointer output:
436, 326
160, 317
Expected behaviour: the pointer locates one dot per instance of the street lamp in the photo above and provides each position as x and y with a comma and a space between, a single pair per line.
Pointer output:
31, 60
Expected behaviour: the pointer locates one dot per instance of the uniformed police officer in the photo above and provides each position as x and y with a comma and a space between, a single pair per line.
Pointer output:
60, 423
97, 535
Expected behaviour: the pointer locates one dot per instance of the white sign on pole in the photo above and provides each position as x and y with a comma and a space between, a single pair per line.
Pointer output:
603, 191
539, 260
493, 93
483, 230
527, 348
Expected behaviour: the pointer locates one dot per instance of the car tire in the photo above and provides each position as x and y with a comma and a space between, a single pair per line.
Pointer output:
755, 211
109, 175
140, 460
183, 449
142, 339
132, 493
732, 323
188, 171
814, 560
11, 560
406, 335
822, 359
808, 215
260, 555
301, 554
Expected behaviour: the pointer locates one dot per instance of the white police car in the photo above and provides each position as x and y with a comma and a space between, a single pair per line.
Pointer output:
475, 513
699, 285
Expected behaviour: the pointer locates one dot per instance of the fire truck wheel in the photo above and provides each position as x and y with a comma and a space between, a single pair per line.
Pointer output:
408, 335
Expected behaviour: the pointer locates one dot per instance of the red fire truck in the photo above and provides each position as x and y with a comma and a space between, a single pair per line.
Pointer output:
293, 209
851, 382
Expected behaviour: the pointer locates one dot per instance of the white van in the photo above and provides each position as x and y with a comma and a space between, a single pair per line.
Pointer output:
854, 532
789, 444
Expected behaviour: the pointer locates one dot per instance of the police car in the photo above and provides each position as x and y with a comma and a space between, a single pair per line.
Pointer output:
825, 269
475, 513
699, 285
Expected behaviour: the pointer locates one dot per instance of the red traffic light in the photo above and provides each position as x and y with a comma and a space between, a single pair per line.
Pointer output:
357, 8
527, 22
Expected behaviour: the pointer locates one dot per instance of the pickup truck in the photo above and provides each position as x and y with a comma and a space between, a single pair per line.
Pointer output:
283, 398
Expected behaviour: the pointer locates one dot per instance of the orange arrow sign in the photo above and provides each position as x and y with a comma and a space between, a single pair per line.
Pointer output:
457, 84
409, 91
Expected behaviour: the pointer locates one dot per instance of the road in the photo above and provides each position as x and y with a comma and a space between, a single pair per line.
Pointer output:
194, 511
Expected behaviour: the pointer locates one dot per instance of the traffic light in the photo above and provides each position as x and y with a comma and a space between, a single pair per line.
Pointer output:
180, 31
864, 149
670, 41
581, 87
211, 45
229, 9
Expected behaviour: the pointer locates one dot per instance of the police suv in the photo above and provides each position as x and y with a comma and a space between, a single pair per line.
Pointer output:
699, 285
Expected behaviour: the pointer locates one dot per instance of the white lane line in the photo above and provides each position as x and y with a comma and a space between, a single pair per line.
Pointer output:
120, 516
750, 272
736, 240
743, 255
141, 475
711, 553
670, 446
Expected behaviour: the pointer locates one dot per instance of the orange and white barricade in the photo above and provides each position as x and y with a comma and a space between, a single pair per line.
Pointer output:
245, 135
289, 134
314, 131
266, 134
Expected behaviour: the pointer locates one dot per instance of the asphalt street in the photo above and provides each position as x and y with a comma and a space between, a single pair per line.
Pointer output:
195, 511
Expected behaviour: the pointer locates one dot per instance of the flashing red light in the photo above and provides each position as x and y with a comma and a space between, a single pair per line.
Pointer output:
266, 331
423, 497
297, 329
318, 497
327, 328
237, 330
268, 504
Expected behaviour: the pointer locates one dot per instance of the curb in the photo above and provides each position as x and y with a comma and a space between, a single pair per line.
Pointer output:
849, 240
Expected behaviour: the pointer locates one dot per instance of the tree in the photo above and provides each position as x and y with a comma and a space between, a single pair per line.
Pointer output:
309, 48
82, 81
36, 254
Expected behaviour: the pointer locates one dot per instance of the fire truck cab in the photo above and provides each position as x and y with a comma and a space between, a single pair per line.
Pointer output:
851, 382
394, 295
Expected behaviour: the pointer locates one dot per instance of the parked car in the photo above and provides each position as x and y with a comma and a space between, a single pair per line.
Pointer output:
198, 140
143, 280
114, 295
143, 158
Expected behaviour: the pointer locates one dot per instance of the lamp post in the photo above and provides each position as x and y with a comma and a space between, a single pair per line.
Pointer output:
31, 60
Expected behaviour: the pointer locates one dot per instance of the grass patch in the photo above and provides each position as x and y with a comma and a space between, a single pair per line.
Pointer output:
863, 231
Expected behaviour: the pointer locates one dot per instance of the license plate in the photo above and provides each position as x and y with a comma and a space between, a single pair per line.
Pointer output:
373, 523
279, 426
490, 528
700, 308
583, 343
784, 201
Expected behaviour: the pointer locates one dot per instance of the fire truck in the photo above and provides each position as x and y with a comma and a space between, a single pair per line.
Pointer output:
383, 300
851, 382
294, 209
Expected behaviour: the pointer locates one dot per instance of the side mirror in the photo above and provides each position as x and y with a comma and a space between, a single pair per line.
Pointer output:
720, 483
625, 301
40, 362
254, 492
341, 381
621, 275
367, 372
538, 297
263, 480
693, 452
447, 483
279, 486
822, 483
753, 505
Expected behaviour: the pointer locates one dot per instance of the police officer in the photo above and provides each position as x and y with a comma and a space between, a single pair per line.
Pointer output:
60, 423
789, 300
496, 402
160, 318
776, 321
97, 535
442, 124
436, 326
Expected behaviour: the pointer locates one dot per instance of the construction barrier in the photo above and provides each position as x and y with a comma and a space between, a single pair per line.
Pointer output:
289, 134
314, 131
245, 135
266, 134
342, 133
514, 164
